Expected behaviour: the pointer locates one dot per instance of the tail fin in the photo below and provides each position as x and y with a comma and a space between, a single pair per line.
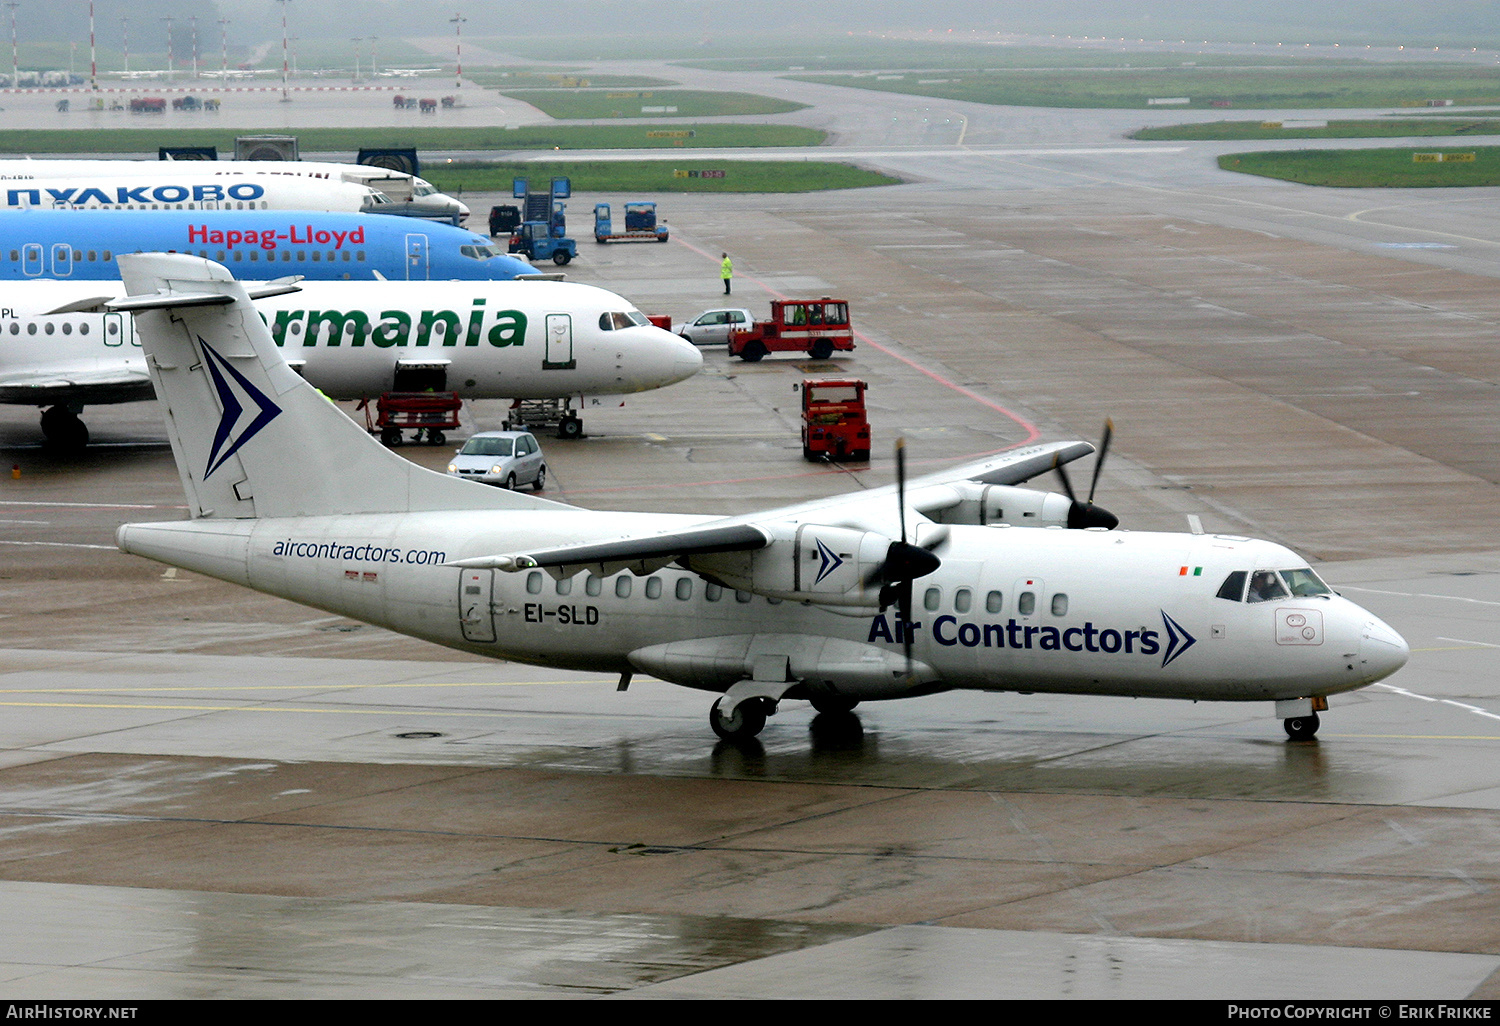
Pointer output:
251, 438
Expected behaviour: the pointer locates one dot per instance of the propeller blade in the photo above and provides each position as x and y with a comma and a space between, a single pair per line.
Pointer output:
1067, 485
901, 484
1109, 433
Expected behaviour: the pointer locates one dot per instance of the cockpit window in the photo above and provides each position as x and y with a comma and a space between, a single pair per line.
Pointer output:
1265, 586
1233, 587
617, 319
480, 252
1304, 582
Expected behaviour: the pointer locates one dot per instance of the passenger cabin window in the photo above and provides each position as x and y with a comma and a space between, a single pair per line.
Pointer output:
565, 586
593, 585
534, 583
684, 588
622, 586
931, 599
712, 592
1266, 586
653, 587
1233, 587
963, 600
1026, 603
993, 601
1059, 604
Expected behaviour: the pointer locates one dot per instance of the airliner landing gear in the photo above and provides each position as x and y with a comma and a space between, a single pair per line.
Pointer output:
1301, 728
747, 720
63, 429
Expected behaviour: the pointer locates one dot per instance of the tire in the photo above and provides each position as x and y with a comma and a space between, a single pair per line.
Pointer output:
753, 352
661, 238
822, 349
541, 478
749, 719
435, 437
561, 257
570, 428
510, 482
860, 455
835, 704
1301, 728
390, 436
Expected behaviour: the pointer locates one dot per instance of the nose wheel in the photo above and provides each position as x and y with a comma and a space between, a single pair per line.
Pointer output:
1301, 728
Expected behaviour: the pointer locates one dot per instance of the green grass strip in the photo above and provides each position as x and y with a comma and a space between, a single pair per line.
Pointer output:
639, 103
652, 176
1370, 169
1368, 128
323, 140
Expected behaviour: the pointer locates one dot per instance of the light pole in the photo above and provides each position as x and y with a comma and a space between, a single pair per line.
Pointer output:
458, 41
285, 96
372, 56
356, 40
169, 48
223, 52
15, 53
194, 20
93, 53
125, 28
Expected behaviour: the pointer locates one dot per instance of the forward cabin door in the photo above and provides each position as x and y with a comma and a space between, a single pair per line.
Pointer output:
416, 258
559, 355
475, 595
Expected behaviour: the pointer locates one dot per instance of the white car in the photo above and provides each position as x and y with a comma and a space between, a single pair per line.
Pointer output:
504, 458
712, 327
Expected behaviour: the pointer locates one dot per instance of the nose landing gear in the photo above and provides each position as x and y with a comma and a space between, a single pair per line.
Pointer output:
1301, 728
1300, 716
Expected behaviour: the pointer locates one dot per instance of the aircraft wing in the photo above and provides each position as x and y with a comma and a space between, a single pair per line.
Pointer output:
48, 387
872, 510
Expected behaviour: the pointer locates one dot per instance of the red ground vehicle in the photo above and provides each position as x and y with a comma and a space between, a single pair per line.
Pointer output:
814, 326
429, 412
834, 426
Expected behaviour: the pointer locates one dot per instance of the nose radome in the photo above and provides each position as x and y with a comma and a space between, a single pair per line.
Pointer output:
687, 359
1381, 650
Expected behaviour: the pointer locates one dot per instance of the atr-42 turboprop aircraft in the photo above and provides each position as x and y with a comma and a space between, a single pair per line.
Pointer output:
826, 601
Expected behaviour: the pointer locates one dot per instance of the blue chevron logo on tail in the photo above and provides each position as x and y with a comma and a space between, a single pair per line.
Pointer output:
240, 400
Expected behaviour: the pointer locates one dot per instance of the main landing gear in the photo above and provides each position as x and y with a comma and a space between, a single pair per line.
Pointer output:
749, 716
62, 428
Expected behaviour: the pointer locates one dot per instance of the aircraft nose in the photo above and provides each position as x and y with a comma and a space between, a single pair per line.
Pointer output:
1381, 650
682, 358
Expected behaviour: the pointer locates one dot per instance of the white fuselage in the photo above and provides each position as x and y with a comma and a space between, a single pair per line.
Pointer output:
415, 193
512, 340
175, 189
1019, 609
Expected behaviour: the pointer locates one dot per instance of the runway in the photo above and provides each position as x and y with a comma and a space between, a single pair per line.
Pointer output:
207, 792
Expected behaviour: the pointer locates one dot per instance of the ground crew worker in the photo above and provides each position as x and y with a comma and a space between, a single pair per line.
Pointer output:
726, 271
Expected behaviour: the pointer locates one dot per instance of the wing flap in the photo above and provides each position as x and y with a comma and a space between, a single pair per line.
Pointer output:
642, 555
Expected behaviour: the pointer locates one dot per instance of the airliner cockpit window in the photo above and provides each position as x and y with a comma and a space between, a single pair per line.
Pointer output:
1233, 587
480, 252
1265, 586
1304, 582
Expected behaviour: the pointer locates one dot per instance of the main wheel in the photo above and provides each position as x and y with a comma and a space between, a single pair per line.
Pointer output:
1301, 728
835, 704
570, 427
541, 478
390, 436
822, 349
753, 352
63, 429
561, 257
510, 482
749, 719
435, 437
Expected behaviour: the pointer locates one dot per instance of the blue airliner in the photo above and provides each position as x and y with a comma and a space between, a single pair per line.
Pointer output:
254, 244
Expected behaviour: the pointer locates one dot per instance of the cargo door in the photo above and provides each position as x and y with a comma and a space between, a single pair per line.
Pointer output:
416, 258
475, 595
559, 354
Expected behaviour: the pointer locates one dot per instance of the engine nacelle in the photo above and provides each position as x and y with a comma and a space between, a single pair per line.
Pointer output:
988, 505
803, 563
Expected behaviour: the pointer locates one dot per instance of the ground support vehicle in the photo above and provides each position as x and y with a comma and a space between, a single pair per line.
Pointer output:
640, 224
501, 458
539, 414
535, 242
504, 219
429, 414
814, 326
712, 327
834, 425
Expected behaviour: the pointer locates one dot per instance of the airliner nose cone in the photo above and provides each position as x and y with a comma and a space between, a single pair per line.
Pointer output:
687, 359
1381, 650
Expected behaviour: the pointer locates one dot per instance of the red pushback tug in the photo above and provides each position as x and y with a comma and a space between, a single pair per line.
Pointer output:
834, 426
814, 326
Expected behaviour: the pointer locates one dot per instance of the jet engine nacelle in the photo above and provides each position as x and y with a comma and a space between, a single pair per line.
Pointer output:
803, 563
989, 505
